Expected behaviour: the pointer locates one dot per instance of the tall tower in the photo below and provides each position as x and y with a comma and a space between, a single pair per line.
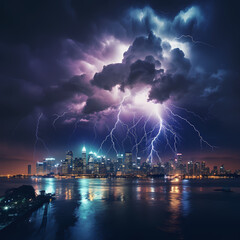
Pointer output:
69, 160
84, 158
29, 169
128, 162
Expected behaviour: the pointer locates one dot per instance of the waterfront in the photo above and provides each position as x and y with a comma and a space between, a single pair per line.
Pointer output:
130, 209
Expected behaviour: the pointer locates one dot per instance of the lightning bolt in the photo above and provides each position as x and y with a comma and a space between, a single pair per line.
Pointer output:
37, 138
154, 140
110, 135
58, 117
193, 41
186, 110
202, 140
168, 128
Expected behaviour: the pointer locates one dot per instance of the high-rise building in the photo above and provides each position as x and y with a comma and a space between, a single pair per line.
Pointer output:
84, 158
138, 162
40, 168
29, 169
178, 164
118, 164
222, 169
119, 159
190, 168
197, 169
128, 162
90, 163
203, 168
69, 160
78, 166
65, 167
49, 165
179, 157
215, 170
145, 167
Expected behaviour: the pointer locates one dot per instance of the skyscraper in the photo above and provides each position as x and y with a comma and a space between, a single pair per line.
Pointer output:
128, 162
90, 163
222, 169
197, 168
190, 168
49, 165
69, 160
29, 169
138, 162
78, 166
203, 168
84, 158
65, 166
39, 168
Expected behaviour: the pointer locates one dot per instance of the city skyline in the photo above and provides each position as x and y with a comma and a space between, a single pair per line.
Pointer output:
136, 161
124, 164
78, 152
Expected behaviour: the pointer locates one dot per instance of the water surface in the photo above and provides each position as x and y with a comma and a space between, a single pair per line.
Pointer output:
131, 209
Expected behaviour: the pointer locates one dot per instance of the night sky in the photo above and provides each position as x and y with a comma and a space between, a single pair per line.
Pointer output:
69, 69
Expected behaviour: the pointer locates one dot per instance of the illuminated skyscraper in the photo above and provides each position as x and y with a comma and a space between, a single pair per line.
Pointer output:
65, 167
190, 168
49, 165
39, 168
84, 158
203, 168
90, 163
78, 166
197, 168
222, 169
138, 162
69, 159
128, 162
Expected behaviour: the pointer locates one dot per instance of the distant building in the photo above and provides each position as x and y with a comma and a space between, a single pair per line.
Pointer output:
190, 168
29, 169
178, 164
197, 169
84, 158
69, 160
78, 166
128, 162
138, 162
90, 163
49, 164
203, 168
40, 168
222, 170
215, 170
65, 167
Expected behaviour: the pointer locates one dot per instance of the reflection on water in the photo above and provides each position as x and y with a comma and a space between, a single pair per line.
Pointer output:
121, 209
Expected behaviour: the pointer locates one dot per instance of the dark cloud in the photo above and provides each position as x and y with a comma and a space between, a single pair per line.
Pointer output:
141, 72
178, 63
169, 86
152, 60
98, 103
172, 82
111, 76
76, 85
143, 46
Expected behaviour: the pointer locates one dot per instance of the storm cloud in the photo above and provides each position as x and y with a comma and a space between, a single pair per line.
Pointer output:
66, 56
